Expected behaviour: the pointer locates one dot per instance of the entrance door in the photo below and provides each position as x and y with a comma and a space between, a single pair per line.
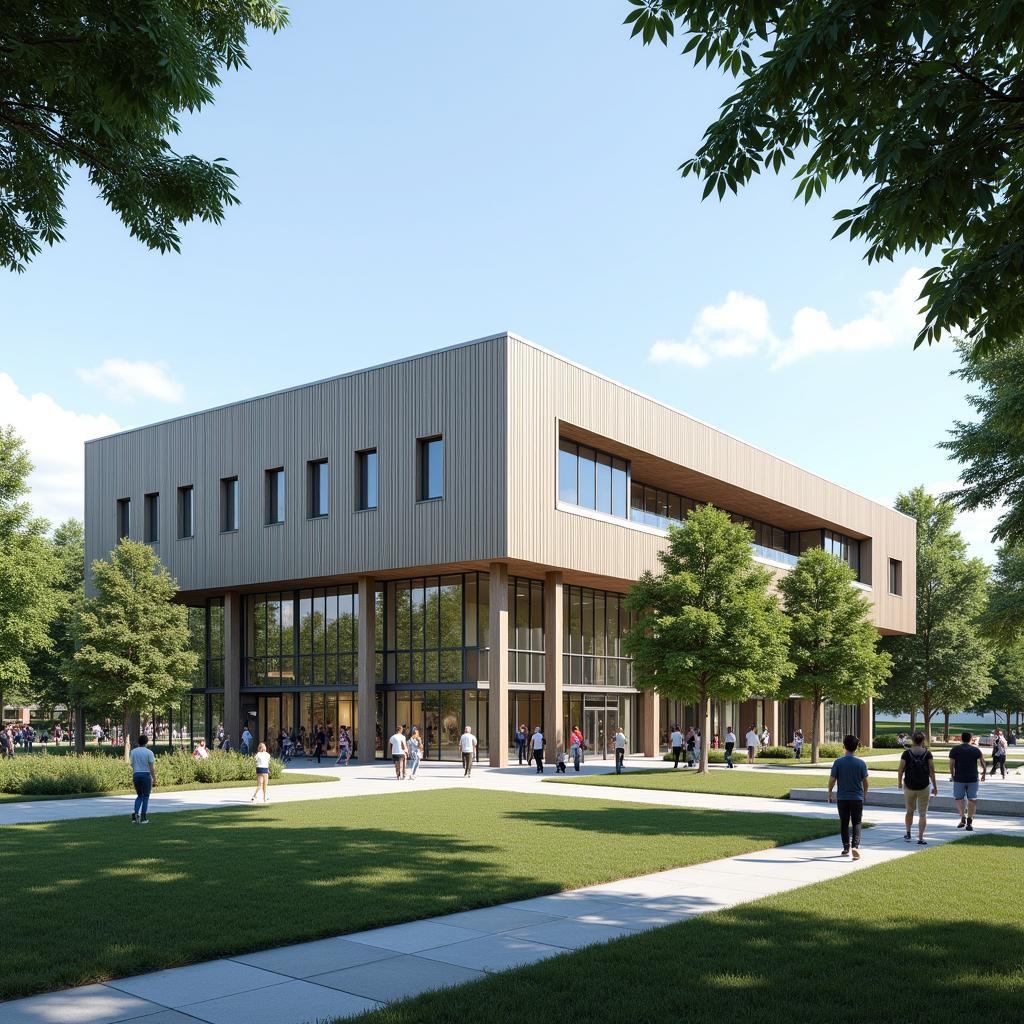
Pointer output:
595, 732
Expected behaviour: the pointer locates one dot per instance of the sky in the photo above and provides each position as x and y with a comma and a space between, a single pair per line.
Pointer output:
448, 171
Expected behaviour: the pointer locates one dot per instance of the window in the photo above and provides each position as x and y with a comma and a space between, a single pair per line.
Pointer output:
431, 468
318, 489
895, 577
366, 479
124, 517
186, 512
229, 504
151, 515
274, 496
592, 479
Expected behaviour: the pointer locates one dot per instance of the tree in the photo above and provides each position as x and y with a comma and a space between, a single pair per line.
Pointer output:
135, 652
27, 573
991, 447
945, 663
833, 644
921, 100
101, 86
707, 627
1006, 696
1003, 619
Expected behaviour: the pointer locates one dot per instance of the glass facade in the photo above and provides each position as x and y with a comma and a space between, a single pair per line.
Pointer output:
598, 715
592, 479
526, 631
441, 715
201, 711
675, 712
594, 624
840, 720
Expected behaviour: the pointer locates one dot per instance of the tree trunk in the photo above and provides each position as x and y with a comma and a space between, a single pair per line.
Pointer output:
815, 730
78, 725
705, 730
926, 713
913, 720
945, 727
132, 727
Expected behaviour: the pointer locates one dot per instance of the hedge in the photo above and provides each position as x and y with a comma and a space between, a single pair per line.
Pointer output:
44, 775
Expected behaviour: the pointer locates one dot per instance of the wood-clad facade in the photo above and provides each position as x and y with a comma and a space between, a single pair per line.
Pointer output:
493, 602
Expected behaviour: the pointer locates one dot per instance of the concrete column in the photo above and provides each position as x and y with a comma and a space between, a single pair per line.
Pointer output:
651, 715
865, 726
233, 655
553, 633
773, 719
807, 717
497, 669
748, 716
366, 713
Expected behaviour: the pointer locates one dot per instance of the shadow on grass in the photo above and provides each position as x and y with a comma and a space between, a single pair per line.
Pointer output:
875, 946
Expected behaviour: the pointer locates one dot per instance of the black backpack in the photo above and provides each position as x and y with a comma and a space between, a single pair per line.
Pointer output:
915, 774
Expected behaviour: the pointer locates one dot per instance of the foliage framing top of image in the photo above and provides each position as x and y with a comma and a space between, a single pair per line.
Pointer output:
101, 84
924, 101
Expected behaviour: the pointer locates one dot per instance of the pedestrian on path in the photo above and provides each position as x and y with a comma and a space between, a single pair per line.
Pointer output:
751, 743
730, 745
998, 753
521, 738
798, 743
916, 777
698, 740
620, 750
691, 741
319, 741
246, 740
345, 746
415, 745
964, 761
467, 744
576, 746
675, 741
849, 778
262, 772
766, 737
399, 752
143, 779
537, 742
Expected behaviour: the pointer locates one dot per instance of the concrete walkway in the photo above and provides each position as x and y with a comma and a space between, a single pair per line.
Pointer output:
344, 976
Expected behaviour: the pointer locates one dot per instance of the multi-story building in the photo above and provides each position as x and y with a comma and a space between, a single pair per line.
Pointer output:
447, 539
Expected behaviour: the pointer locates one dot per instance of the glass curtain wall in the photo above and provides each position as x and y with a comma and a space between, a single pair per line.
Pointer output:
526, 632
723, 714
840, 720
598, 715
595, 623
199, 713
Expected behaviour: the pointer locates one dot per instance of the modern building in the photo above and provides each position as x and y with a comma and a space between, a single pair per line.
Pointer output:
447, 539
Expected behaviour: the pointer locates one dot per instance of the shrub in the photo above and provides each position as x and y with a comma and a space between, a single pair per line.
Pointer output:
887, 742
831, 750
776, 751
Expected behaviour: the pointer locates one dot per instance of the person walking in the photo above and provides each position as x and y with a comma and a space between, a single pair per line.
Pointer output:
246, 740
415, 745
765, 737
220, 736
319, 742
143, 779
576, 746
751, 739
916, 776
399, 752
537, 745
521, 737
849, 777
798, 743
698, 741
262, 760
345, 746
691, 740
965, 759
467, 744
730, 745
998, 753
619, 742
675, 741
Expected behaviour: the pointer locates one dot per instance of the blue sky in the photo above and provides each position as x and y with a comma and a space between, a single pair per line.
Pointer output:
447, 171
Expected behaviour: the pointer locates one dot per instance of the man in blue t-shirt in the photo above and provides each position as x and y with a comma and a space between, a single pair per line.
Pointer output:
964, 761
850, 780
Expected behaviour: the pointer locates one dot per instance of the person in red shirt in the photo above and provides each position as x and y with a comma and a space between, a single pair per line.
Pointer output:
576, 746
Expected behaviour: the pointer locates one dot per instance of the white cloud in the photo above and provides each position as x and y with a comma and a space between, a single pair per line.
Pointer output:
127, 380
55, 437
741, 326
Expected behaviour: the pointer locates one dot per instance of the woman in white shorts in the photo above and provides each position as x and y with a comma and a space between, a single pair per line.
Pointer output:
262, 760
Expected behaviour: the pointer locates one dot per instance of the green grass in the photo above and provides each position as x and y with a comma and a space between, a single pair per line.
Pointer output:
721, 781
107, 898
870, 946
298, 778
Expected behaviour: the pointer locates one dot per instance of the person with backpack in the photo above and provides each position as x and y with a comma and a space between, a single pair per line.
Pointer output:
998, 753
916, 777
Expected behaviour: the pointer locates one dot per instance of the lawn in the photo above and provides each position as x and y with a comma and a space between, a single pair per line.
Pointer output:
721, 781
820, 953
297, 777
196, 885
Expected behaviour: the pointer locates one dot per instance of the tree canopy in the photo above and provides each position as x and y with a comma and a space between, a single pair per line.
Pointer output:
923, 101
102, 86
1007, 693
833, 643
945, 664
707, 627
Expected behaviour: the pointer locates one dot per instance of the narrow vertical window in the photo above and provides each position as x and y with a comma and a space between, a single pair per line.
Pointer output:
318, 488
366, 479
229, 511
274, 496
151, 518
431, 468
186, 512
124, 517
895, 577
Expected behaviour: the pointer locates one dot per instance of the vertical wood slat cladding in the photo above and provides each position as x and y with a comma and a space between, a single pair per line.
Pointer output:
545, 389
459, 393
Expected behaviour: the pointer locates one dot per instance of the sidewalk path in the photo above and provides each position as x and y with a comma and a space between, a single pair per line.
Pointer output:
347, 975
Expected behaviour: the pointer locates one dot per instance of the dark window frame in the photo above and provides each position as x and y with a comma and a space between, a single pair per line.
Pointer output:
230, 501
186, 512
896, 577
151, 517
363, 503
123, 523
275, 496
314, 484
424, 448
